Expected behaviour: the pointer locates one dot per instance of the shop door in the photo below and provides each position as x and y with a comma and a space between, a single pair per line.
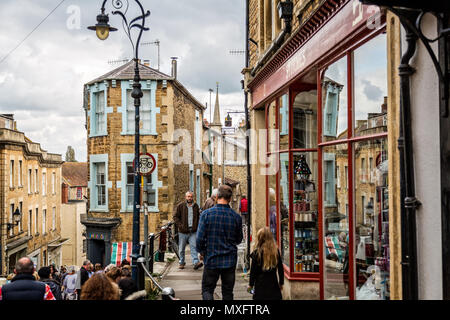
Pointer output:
97, 252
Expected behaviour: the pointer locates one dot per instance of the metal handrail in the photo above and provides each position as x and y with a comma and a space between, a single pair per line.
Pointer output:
168, 292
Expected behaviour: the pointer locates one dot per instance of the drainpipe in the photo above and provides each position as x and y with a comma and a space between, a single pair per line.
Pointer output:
407, 187
247, 138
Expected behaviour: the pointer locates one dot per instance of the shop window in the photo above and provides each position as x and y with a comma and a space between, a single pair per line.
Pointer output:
305, 120
372, 226
334, 100
305, 209
336, 229
370, 87
284, 207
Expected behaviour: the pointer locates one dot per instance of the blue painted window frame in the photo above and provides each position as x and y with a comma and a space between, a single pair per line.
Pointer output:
329, 160
147, 85
94, 89
94, 159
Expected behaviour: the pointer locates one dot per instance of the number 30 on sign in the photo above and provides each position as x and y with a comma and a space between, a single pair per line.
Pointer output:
147, 164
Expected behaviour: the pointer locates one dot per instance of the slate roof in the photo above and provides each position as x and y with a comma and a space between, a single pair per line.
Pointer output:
126, 72
75, 173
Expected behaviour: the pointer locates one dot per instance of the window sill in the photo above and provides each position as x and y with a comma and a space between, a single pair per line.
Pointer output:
104, 134
12, 188
36, 234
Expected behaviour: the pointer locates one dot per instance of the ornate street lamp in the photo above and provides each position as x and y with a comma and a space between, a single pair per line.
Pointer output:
17, 216
285, 10
103, 29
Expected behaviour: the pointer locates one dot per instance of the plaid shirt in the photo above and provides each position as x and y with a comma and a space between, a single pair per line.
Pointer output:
218, 234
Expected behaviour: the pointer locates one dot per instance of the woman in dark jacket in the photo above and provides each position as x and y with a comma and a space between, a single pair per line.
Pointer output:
266, 263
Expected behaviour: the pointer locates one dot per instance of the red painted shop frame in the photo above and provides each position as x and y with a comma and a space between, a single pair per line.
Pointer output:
292, 89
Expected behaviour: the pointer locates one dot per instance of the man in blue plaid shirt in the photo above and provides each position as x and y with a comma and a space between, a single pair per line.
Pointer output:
218, 234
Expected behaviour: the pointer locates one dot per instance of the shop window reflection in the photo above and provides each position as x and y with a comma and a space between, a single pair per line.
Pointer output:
272, 133
370, 87
284, 207
372, 223
283, 105
305, 209
336, 229
272, 182
334, 101
305, 120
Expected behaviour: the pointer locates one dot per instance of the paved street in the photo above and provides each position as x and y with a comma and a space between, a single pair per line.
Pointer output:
187, 283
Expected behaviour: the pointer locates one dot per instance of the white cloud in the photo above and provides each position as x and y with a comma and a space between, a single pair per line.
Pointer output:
41, 82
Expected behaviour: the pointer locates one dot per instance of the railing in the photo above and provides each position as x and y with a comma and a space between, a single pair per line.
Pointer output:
166, 293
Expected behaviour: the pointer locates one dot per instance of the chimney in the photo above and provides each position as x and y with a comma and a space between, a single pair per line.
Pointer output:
174, 67
147, 63
384, 106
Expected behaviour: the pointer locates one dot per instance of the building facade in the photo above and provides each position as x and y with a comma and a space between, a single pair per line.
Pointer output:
73, 207
171, 131
30, 182
319, 101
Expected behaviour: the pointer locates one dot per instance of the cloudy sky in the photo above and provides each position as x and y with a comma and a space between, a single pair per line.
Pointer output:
47, 54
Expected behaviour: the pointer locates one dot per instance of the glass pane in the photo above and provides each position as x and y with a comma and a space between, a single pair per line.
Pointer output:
284, 206
130, 195
130, 112
370, 87
151, 196
334, 101
336, 229
372, 222
306, 231
273, 142
283, 104
273, 218
130, 173
305, 120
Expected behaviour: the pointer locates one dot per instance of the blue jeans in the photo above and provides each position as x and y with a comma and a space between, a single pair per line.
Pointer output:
183, 238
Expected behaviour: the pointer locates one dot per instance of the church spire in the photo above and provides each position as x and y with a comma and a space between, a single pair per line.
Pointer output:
216, 121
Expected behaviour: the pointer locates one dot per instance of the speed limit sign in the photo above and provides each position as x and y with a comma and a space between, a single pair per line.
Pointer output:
147, 164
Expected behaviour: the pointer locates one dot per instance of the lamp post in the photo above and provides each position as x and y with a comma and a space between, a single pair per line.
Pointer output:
103, 29
17, 217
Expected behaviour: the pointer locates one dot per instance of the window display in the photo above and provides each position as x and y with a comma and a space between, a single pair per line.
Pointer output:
284, 207
306, 231
372, 224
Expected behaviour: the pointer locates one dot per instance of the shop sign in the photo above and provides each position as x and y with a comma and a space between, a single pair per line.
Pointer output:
96, 236
350, 18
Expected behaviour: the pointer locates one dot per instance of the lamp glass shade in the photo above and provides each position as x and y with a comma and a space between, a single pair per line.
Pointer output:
17, 216
102, 32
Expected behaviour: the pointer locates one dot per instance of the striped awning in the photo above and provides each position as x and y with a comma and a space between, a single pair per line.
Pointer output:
120, 251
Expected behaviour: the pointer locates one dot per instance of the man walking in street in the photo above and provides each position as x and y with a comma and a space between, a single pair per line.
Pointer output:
211, 201
219, 233
46, 277
24, 285
186, 218
243, 208
82, 276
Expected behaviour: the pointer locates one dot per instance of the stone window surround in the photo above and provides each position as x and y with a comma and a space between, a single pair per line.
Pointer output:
93, 89
93, 159
146, 85
122, 184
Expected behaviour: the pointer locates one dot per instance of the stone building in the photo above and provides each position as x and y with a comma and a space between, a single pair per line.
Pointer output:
228, 154
170, 130
30, 182
73, 206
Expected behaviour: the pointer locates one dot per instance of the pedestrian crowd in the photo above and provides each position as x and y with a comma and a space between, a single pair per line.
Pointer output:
213, 233
89, 282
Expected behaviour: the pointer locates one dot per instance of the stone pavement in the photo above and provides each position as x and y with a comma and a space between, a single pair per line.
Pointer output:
187, 283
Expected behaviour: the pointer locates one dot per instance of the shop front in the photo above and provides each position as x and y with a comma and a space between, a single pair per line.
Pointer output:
326, 114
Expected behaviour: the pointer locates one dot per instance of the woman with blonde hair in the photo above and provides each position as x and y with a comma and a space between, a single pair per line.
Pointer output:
266, 262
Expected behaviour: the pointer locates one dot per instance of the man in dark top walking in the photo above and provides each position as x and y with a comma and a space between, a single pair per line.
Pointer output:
186, 218
83, 276
218, 235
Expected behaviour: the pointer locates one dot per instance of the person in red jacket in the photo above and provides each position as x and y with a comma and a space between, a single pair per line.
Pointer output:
243, 208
